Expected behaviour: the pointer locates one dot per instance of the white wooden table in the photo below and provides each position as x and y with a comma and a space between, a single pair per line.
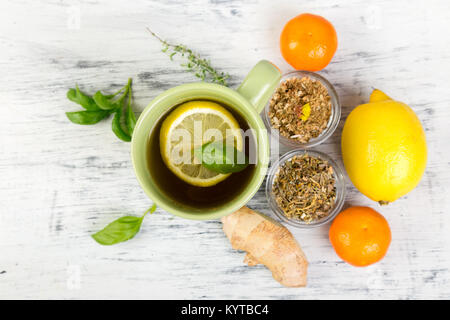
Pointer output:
61, 182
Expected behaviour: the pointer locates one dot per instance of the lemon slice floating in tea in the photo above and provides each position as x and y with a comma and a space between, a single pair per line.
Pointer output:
187, 128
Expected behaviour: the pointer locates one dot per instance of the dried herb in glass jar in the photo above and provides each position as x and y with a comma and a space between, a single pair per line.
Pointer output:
300, 109
304, 188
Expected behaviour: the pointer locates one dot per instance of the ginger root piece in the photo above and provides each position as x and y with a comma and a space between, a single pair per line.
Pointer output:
268, 243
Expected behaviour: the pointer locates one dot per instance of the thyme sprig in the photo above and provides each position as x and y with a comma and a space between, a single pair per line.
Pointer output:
200, 67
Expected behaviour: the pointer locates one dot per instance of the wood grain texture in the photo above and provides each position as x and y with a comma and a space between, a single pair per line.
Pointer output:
61, 182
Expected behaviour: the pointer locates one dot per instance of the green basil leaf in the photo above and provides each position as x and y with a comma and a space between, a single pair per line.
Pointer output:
122, 229
218, 157
87, 117
130, 118
104, 102
117, 126
72, 95
123, 121
82, 99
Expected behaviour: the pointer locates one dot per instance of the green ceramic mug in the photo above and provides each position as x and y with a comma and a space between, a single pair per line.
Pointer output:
248, 101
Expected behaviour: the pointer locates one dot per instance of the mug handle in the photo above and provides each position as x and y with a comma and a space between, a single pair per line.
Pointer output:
260, 84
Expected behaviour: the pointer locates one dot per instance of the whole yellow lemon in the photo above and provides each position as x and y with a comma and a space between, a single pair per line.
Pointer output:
384, 148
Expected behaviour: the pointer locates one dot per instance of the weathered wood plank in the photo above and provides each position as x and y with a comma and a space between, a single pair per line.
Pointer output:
61, 182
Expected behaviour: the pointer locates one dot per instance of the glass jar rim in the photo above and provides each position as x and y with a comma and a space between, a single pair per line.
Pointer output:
333, 122
340, 189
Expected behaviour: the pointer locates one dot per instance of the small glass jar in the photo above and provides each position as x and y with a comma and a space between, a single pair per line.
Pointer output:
339, 184
333, 122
